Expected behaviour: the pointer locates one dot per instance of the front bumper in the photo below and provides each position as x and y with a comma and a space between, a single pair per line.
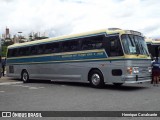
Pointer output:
136, 79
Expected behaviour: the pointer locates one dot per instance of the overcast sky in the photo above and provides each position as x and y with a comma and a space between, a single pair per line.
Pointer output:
60, 17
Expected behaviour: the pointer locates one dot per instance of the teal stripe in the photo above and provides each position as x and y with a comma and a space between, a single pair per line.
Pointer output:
59, 58
79, 61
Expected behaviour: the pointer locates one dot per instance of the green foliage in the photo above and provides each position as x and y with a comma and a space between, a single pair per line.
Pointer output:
4, 51
7, 43
4, 47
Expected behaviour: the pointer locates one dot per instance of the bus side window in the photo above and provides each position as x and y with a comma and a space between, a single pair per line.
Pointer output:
9, 54
55, 47
70, 45
27, 51
33, 50
40, 49
86, 44
22, 51
65, 46
74, 45
15, 52
98, 42
113, 46
49, 48
95, 42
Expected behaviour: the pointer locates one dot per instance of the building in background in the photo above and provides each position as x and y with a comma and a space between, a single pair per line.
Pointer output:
7, 35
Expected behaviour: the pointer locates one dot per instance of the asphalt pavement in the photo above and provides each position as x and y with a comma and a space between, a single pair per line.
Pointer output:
7, 79
69, 96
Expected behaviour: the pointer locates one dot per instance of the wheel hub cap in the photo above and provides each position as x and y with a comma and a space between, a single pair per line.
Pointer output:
95, 79
25, 76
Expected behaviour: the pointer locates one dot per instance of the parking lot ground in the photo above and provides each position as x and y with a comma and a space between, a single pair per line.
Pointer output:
71, 96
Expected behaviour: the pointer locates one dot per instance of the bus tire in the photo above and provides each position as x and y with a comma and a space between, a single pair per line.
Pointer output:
118, 84
96, 79
25, 76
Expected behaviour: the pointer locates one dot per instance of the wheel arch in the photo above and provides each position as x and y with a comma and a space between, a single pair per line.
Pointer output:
23, 71
92, 70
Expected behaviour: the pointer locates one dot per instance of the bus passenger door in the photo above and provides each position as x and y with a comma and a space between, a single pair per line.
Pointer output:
115, 61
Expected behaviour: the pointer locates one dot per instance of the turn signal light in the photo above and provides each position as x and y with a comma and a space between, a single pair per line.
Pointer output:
129, 70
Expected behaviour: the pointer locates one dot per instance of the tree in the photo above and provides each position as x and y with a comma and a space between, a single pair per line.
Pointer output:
4, 47
7, 43
4, 51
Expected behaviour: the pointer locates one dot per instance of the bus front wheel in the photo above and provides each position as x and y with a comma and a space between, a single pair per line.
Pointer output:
25, 76
96, 79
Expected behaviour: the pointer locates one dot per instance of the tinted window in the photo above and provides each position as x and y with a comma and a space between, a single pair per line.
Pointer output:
71, 45
56, 47
96, 42
89, 43
9, 54
12, 52
33, 50
51, 48
23, 51
40, 49
15, 52
48, 48
113, 46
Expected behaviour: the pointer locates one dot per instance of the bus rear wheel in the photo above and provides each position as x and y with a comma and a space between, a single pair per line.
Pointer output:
25, 76
96, 79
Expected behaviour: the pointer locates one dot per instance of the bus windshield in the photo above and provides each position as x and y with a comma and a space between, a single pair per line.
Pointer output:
134, 44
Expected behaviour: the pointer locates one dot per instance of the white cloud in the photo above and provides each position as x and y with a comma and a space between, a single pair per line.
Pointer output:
59, 17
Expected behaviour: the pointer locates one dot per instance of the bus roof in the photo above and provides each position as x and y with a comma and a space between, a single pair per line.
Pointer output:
152, 41
107, 31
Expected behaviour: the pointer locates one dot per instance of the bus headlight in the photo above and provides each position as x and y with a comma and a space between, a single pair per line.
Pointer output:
149, 69
135, 69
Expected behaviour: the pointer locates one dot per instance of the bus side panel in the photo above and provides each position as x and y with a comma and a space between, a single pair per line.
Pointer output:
113, 71
13, 71
71, 71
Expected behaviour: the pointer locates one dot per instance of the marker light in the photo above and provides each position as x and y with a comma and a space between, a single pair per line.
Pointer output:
135, 70
149, 69
129, 70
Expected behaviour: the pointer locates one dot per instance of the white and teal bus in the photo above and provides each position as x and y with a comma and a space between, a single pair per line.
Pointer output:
104, 56
153, 47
